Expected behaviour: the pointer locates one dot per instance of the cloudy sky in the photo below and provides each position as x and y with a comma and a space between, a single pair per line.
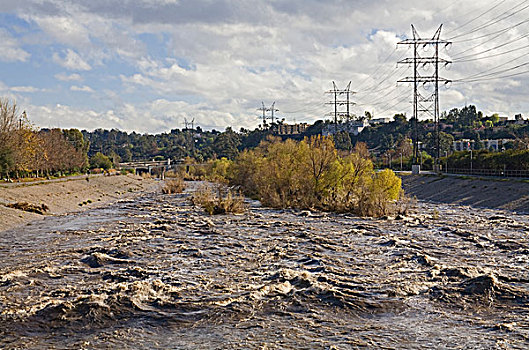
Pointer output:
145, 65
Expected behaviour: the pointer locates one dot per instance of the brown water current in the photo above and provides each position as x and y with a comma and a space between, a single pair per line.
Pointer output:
154, 272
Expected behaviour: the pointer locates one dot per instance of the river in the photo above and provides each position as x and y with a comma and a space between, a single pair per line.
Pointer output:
155, 272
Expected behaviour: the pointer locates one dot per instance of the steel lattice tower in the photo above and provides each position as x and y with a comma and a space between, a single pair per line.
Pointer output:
425, 103
347, 102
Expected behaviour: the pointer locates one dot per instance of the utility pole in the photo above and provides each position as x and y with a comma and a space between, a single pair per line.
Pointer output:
347, 102
423, 103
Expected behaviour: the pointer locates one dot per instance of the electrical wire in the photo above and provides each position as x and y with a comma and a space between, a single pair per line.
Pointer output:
491, 56
475, 18
458, 59
376, 70
384, 103
377, 87
484, 76
497, 19
394, 105
501, 31
493, 68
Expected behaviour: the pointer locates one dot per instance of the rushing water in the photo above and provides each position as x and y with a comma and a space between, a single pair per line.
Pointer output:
155, 272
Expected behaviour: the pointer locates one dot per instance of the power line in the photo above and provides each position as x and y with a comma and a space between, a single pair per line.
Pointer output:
386, 74
376, 70
377, 87
490, 56
394, 105
475, 18
491, 49
499, 77
306, 108
501, 31
491, 69
386, 103
378, 98
498, 19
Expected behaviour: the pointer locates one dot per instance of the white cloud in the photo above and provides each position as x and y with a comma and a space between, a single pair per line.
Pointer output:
219, 60
71, 60
69, 77
10, 50
29, 89
66, 30
157, 116
83, 88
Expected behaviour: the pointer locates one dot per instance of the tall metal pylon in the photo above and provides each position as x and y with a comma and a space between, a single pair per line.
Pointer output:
347, 102
425, 103
263, 109
271, 109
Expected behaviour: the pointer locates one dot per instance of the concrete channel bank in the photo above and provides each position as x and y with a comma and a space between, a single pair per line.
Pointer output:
504, 194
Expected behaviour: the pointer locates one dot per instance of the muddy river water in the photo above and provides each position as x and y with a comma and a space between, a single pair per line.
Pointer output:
154, 272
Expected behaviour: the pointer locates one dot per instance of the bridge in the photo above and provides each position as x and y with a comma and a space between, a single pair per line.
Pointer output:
151, 167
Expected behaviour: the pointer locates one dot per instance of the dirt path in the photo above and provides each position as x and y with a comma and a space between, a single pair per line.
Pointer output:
68, 196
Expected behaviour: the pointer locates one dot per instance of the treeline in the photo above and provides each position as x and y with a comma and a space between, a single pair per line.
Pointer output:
196, 143
26, 151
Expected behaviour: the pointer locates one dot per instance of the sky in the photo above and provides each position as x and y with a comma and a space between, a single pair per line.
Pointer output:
150, 65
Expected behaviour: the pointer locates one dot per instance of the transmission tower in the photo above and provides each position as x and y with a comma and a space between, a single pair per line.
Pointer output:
271, 109
263, 109
338, 103
423, 102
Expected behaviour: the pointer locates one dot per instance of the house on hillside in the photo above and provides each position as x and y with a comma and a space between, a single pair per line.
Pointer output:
354, 127
493, 145
380, 121
285, 129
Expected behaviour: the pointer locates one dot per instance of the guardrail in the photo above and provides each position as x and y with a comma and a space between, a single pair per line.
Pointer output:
489, 172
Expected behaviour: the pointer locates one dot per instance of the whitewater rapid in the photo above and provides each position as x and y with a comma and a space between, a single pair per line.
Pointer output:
155, 272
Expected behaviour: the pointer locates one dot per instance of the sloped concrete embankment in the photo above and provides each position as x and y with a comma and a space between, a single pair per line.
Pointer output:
489, 193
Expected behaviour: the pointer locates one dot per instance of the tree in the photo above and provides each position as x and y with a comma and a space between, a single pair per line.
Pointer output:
400, 118
17, 139
226, 144
446, 142
404, 147
6, 160
362, 150
495, 118
99, 160
342, 141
